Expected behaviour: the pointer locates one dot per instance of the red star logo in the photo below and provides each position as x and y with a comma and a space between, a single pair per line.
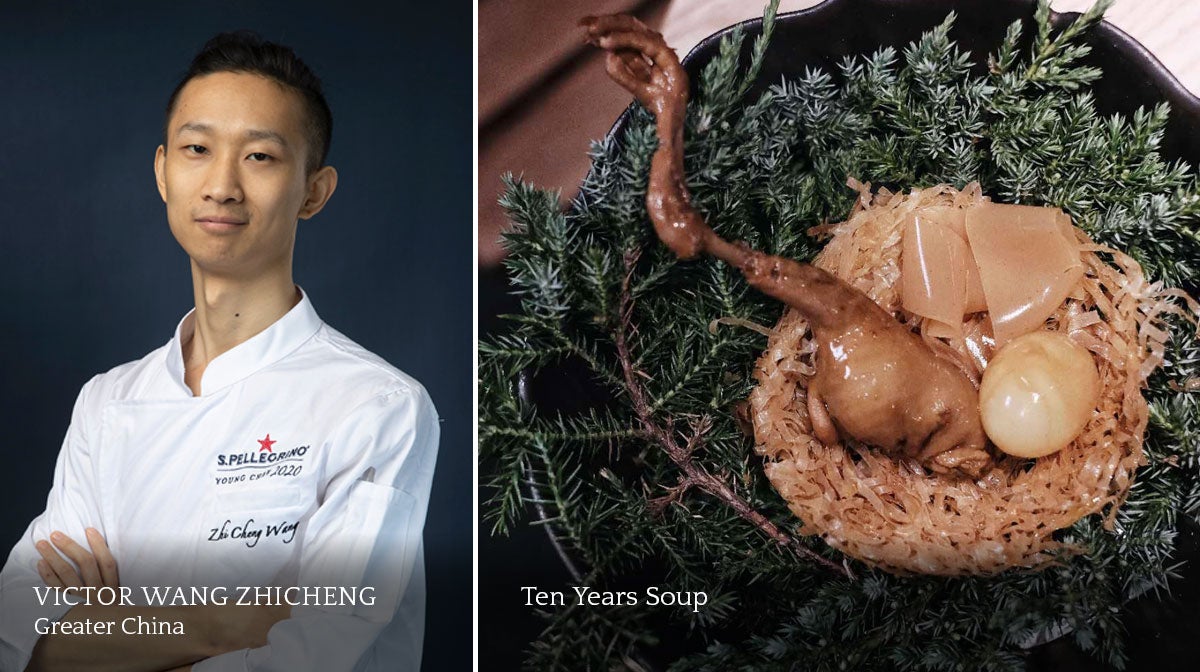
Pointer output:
266, 444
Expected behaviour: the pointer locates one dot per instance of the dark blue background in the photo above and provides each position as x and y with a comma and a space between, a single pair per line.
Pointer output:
90, 276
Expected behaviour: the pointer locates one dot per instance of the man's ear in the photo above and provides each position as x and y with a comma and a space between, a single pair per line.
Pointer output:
321, 186
160, 158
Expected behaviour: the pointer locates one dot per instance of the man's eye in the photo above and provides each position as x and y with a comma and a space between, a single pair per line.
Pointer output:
259, 156
196, 149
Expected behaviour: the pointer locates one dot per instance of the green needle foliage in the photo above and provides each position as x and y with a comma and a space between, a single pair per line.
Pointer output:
763, 171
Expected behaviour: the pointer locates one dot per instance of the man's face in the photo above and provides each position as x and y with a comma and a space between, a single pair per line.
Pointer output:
232, 174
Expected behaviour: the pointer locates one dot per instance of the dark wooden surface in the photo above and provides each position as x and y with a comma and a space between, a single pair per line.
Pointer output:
543, 97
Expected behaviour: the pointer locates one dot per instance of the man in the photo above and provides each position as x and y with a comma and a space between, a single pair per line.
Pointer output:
258, 448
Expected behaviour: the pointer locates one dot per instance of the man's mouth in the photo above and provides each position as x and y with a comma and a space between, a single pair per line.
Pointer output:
220, 220
220, 224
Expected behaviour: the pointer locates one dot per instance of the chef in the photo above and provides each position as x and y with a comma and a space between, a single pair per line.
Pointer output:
258, 449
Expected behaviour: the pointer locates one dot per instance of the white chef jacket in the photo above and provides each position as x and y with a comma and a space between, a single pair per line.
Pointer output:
305, 461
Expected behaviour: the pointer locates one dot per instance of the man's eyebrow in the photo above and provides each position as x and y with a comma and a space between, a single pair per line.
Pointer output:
253, 134
256, 134
194, 127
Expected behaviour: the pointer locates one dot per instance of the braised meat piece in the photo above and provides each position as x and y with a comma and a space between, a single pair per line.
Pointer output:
876, 382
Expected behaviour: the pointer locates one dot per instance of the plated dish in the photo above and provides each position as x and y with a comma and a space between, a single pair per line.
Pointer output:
858, 506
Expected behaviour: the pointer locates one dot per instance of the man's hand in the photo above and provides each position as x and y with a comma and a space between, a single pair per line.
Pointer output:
97, 568
211, 629
246, 626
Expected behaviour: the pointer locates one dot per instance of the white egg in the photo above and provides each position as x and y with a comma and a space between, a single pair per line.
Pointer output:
1037, 394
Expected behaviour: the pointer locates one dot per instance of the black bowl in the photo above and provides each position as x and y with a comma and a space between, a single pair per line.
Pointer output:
821, 37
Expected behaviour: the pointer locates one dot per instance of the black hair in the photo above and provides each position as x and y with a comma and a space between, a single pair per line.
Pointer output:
246, 52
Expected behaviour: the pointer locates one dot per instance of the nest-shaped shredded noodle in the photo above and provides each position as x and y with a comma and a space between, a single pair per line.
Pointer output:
894, 515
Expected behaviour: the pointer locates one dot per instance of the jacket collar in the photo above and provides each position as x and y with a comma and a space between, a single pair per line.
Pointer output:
255, 353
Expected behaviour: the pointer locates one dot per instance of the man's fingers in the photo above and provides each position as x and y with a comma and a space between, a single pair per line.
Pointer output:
66, 574
80, 556
48, 576
104, 558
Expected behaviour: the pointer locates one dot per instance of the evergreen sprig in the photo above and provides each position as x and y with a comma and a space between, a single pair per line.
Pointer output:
599, 295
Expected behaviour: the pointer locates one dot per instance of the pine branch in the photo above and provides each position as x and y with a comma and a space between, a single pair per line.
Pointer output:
694, 475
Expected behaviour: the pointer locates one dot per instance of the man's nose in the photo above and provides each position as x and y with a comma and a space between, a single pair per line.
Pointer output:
223, 183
